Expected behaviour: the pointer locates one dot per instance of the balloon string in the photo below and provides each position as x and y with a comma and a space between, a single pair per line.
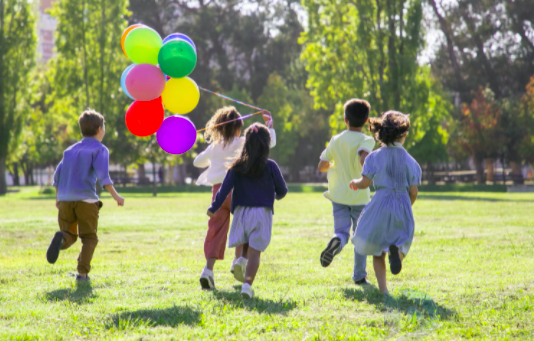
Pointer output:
237, 119
230, 99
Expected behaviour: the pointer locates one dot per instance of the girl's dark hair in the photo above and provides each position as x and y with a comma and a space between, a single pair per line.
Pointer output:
390, 126
255, 153
225, 132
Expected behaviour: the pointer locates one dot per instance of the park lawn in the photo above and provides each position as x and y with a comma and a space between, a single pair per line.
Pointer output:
469, 275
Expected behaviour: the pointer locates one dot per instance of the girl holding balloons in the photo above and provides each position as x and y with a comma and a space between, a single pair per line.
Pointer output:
223, 132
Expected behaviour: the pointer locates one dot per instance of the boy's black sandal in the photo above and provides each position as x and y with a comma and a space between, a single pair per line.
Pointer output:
395, 264
52, 253
328, 254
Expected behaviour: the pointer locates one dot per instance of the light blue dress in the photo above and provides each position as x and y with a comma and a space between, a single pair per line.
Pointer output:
388, 218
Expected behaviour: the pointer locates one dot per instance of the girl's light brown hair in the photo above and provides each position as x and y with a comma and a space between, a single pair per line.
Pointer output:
389, 127
224, 133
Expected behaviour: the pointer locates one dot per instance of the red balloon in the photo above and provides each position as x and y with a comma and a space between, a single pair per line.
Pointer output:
143, 118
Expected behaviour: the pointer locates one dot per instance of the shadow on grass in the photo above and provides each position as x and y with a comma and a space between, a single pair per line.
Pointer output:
406, 302
260, 305
171, 317
467, 198
82, 294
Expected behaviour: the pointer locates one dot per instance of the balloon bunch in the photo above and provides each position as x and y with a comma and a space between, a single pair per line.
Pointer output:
158, 79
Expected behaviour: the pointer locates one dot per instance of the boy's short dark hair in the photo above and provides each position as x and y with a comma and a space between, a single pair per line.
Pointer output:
89, 122
357, 112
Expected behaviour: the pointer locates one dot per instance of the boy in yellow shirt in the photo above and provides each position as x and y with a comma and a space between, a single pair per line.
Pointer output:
343, 160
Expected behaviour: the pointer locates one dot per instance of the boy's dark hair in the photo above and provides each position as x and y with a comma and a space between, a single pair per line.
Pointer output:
89, 122
255, 153
390, 126
357, 112
225, 132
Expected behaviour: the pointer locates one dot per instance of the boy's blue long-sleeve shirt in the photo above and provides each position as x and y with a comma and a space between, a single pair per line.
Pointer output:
251, 192
83, 163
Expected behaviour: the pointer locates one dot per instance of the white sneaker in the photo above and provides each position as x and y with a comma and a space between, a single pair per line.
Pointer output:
246, 291
207, 281
232, 267
240, 266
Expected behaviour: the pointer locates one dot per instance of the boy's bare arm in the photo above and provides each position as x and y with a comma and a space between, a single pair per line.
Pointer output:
363, 156
57, 202
323, 166
115, 195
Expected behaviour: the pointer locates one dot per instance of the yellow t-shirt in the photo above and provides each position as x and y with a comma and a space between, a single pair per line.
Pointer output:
343, 152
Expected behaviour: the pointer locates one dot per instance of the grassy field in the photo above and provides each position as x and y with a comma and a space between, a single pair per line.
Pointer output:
469, 275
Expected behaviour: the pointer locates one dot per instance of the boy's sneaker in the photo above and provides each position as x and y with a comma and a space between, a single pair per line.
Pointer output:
327, 256
240, 266
52, 253
362, 281
246, 291
79, 278
395, 264
207, 281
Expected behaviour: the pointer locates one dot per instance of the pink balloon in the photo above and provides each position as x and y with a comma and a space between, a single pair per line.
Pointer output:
145, 82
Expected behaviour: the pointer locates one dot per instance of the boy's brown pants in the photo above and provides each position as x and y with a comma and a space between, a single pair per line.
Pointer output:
80, 218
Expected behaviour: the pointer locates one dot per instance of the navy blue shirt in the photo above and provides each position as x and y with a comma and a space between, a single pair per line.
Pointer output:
82, 164
251, 192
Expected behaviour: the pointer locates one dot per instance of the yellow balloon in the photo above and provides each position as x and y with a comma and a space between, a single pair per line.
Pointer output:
181, 95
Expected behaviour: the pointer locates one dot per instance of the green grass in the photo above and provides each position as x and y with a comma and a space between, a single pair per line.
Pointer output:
468, 275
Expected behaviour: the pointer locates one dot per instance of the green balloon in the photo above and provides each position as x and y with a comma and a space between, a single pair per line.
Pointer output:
177, 58
142, 45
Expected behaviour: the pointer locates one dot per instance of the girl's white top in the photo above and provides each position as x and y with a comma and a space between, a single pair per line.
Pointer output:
218, 159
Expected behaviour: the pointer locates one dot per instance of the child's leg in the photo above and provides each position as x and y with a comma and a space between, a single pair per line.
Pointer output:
379, 264
215, 242
238, 251
252, 265
68, 223
244, 250
87, 225
342, 224
360, 262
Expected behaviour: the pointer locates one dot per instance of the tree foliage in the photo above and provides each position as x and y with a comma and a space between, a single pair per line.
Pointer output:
17, 57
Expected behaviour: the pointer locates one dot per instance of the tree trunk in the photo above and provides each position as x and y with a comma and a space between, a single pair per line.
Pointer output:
154, 181
16, 178
490, 171
141, 174
480, 169
3, 183
517, 175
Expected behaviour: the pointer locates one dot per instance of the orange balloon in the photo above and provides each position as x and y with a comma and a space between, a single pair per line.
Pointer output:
125, 33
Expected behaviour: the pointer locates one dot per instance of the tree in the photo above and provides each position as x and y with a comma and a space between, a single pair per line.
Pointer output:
487, 43
86, 71
479, 129
526, 122
17, 57
368, 49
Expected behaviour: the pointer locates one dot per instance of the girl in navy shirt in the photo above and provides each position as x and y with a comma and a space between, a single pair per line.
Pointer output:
256, 181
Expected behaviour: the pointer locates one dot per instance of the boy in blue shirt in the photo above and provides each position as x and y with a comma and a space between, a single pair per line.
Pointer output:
76, 199
343, 160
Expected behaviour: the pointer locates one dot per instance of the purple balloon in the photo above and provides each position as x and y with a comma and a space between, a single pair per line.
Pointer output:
176, 135
180, 36
145, 82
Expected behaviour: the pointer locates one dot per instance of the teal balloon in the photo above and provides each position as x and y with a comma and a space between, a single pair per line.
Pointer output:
123, 80
177, 58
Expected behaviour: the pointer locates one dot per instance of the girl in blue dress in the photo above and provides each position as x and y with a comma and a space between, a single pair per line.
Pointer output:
386, 223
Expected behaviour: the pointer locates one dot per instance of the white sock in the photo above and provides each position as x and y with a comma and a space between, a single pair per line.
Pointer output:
246, 286
208, 271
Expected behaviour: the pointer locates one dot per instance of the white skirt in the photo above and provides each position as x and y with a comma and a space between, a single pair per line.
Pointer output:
252, 225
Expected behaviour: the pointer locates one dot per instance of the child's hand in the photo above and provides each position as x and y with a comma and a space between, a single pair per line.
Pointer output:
119, 200
210, 214
57, 204
267, 118
352, 185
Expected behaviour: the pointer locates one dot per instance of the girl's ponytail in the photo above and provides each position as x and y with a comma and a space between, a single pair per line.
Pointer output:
389, 127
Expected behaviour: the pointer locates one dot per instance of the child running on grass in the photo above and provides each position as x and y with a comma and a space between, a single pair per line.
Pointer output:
76, 199
256, 181
387, 223
225, 146
343, 160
